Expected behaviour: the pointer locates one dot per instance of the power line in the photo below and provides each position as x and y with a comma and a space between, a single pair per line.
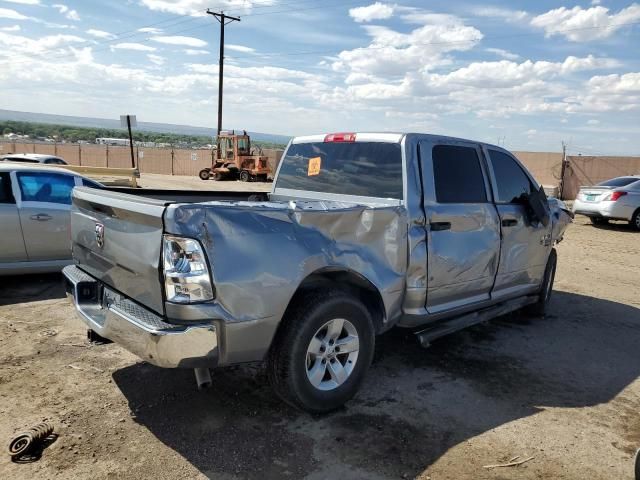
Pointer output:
328, 52
452, 42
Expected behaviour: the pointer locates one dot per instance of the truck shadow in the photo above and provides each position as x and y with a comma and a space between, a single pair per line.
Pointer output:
28, 288
415, 403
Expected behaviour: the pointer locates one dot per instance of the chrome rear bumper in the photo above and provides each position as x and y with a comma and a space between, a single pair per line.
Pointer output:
142, 332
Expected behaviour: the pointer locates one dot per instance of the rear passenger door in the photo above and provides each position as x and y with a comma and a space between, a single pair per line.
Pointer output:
462, 226
525, 244
45, 203
11, 244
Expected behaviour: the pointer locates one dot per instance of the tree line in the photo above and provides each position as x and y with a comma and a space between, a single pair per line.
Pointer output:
73, 134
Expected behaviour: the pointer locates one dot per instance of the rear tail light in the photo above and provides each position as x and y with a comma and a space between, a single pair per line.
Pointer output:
616, 195
340, 137
186, 275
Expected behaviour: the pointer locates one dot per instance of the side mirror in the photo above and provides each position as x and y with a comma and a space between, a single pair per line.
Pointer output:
538, 207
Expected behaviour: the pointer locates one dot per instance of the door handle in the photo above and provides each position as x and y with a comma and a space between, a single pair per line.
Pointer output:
439, 226
509, 222
41, 217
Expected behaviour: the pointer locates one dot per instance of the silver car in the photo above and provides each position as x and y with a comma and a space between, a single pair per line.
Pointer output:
615, 199
33, 158
34, 214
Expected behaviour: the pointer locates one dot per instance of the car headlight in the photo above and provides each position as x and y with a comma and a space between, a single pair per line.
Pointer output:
186, 275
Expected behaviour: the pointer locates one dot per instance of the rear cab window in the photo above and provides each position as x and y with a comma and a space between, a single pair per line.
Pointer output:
457, 175
361, 168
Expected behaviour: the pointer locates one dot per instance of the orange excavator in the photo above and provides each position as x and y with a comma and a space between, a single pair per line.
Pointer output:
235, 160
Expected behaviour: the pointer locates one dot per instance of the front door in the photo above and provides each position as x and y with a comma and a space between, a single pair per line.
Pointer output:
525, 244
45, 202
463, 232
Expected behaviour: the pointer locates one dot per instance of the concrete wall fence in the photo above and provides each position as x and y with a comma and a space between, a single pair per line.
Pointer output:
545, 166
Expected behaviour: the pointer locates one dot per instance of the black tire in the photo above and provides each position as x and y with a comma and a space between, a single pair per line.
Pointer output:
287, 359
635, 223
204, 174
244, 176
539, 308
599, 220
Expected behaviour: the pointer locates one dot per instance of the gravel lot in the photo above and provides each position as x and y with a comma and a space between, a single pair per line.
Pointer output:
564, 390
177, 182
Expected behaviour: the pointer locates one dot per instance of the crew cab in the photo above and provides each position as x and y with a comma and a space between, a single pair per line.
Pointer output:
361, 232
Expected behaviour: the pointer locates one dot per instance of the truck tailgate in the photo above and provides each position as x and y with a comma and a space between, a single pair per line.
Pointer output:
117, 238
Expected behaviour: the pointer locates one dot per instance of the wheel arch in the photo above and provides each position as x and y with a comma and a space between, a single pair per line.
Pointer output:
350, 281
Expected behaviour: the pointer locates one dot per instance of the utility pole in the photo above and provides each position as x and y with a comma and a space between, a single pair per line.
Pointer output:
563, 169
223, 20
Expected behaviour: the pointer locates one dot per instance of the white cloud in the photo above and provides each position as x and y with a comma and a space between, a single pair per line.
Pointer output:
12, 28
156, 59
133, 46
392, 53
199, 7
192, 52
12, 45
100, 34
593, 121
581, 25
375, 11
24, 2
67, 12
12, 14
503, 53
180, 40
509, 74
503, 13
152, 30
239, 48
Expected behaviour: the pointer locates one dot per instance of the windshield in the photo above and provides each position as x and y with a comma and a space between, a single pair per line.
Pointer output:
618, 182
366, 169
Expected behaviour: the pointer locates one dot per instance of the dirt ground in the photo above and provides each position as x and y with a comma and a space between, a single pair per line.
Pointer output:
564, 390
178, 182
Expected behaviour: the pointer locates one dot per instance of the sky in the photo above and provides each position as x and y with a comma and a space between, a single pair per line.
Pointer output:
525, 75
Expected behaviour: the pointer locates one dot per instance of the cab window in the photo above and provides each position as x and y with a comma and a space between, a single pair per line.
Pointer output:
458, 175
511, 180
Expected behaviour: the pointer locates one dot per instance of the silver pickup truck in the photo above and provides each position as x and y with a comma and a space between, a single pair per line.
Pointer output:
361, 232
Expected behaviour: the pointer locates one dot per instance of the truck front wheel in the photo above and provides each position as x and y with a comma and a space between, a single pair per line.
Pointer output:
539, 308
322, 352
204, 174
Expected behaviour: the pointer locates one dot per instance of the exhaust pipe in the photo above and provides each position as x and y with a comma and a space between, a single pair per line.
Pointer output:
203, 378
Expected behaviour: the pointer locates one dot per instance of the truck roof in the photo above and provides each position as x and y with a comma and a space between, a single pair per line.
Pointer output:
389, 137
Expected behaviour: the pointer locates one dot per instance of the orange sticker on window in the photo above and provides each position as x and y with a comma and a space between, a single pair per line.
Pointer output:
314, 166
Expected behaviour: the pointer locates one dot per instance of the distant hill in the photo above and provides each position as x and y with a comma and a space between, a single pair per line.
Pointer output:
115, 124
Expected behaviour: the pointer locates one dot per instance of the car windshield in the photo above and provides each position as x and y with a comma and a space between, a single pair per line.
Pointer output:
366, 169
618, 182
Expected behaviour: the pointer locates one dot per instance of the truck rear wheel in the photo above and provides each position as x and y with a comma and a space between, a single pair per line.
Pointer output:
244, 176
322, 352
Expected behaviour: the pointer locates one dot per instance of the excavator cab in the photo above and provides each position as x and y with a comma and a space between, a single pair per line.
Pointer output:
235, 160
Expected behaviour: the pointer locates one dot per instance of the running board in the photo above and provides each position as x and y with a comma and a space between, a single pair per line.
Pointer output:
440, 329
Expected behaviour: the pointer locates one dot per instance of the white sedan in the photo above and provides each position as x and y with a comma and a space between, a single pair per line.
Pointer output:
35, 204
615, 199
